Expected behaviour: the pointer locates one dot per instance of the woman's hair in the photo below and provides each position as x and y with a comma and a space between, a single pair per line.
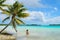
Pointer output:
27, 30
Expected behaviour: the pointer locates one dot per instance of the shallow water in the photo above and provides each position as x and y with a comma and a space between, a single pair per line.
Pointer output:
36, 32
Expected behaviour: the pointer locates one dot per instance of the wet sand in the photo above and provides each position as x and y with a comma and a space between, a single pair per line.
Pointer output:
7, 37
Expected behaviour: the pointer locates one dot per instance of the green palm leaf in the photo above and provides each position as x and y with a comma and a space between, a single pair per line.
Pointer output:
18, 21
4, 5
14, 25
21, 10
17, 4
23, 15
11, 8
6, 12
6, 19
2, 1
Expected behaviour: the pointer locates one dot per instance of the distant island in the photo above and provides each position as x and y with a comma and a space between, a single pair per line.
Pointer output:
3, 24
23, 25
32, 25
54, 24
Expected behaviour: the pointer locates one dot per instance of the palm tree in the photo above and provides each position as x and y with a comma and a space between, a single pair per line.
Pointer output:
14, 12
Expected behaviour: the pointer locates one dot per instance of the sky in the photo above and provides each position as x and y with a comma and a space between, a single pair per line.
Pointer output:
41, 11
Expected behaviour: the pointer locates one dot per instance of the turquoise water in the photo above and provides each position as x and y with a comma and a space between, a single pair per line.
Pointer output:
45, 26
34, 28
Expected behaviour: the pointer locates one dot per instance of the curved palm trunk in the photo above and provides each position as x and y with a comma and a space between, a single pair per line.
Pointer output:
5, 27
9, 24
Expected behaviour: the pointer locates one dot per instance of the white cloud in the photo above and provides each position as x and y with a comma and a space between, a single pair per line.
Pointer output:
55, 8
36, 17
33, 3
55, 20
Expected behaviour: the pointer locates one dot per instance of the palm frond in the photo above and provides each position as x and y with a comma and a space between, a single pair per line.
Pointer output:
1, 9
4, 5
23, 15
17, 4
6, 19
6, 12
11, 8
14, 25
18, 21
2, 1
22, 10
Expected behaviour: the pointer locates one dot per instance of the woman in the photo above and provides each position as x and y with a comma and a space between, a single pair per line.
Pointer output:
27, 33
